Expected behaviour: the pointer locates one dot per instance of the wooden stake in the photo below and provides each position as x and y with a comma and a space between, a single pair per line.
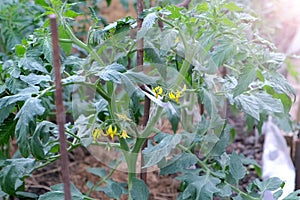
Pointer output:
140, 63
60, 113
297, 163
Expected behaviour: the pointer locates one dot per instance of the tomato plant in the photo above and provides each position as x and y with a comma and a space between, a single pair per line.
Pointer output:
105, 90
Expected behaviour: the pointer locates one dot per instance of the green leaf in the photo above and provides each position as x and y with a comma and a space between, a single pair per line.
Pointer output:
209, 101
130, 79
31, 108
41, 2
71, 13
11, 68
152, 53
112, 189
135, 106
117, 67
284, 98
27, 195
13, 172
236, 168
270, 184
14, 85
139, 190
173, 115
247, 77
223, 52
111, 73
9, 100
40, 138
175, 11
203, 125
178, 163
293, 196
154, 154
199, 187
33, 79
2, 89
5, 111
202, 7
101, 105
268, 103
208, 142
225, 190
233, 7
57, 193
7, 130
259, 102
148, 23
238, 197
66, 46
249, 104
20, 50
220, 146
47, 48
167, 40
85, 128
32, 65
97, 171
279, 83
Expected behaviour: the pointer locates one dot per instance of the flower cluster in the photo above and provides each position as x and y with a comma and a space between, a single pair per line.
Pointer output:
111, 131
171, 95
175, 95
157, 91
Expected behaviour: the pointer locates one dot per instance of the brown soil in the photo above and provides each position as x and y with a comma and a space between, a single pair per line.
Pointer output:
161, 187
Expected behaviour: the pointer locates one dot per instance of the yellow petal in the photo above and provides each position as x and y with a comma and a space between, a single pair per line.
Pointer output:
111, 132
97, 133
124, 134
158, 91
171, 95
115, 130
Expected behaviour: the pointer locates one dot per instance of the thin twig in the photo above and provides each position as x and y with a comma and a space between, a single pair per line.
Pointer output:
60, 113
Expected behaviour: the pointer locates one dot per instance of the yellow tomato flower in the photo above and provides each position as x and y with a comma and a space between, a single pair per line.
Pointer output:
175, 96
97, 133
124, 134
111, 132
158, 91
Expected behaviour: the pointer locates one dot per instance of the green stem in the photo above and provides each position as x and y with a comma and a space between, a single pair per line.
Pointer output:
237, 190
104, 144
166, 22
82, 45
149, 128
103, 179
97, 88
65, 40
131, 160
